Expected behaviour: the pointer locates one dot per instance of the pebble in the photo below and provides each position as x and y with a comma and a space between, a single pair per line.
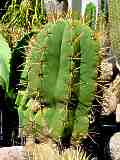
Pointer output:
114, 146
12, 153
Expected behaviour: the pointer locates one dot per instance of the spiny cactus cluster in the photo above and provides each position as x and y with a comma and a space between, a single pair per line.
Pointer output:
61, 79
60, 75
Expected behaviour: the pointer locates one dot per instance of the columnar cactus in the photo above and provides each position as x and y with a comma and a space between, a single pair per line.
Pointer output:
90, 15
62, 78
88, 74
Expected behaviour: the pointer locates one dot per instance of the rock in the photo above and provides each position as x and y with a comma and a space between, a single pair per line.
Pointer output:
12, 153
17, 152
111, 97
106, 70
114, 146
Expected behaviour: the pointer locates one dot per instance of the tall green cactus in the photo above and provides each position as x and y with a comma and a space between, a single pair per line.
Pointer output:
90, 15
114, 21
63, 78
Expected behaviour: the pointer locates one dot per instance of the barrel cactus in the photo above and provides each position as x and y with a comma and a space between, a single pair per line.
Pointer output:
61, 80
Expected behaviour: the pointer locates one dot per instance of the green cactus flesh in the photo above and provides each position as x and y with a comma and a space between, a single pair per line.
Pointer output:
81, 122
88, 74
51, 118
89, 61
55, 119
45, 61
62, 90
90, 15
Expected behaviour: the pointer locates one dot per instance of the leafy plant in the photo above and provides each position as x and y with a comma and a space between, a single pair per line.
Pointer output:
10, 63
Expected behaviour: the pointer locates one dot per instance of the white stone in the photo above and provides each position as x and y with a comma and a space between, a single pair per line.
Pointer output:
12, 153
114, 146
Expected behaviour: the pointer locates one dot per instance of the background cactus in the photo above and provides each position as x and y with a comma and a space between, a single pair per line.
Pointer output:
90, 15
60, 80
114, 21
